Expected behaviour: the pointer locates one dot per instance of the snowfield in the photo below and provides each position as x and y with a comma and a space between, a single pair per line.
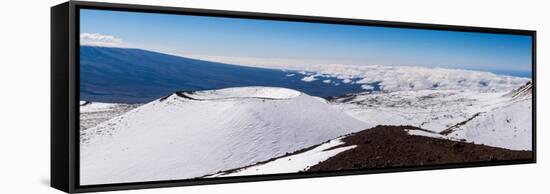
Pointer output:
499, 119
434, 110
193, 134
509, 126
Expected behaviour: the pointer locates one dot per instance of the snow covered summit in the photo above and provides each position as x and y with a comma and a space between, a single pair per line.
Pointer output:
243, 92
193, 134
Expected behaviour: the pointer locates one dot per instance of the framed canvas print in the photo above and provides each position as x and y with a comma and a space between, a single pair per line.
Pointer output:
147, 96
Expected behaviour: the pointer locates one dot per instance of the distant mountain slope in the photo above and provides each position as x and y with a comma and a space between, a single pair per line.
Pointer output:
501, 119
507, 126
192, 134
434, 110
124, 75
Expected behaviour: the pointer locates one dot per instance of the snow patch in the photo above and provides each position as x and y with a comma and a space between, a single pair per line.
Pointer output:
294, 163
425, 133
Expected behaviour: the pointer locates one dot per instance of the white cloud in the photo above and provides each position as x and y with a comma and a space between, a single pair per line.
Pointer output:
346, 81
96, 39
309, 78
367, 87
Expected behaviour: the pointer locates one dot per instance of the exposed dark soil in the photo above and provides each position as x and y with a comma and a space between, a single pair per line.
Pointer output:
392, 146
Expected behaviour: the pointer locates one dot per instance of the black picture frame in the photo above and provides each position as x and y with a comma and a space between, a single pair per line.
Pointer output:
65, 93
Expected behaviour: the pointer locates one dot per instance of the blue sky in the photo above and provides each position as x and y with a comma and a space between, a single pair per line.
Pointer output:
346, 44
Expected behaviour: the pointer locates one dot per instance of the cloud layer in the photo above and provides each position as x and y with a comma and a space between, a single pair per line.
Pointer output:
96, 39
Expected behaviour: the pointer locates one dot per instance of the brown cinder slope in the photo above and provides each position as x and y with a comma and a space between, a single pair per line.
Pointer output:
392, 146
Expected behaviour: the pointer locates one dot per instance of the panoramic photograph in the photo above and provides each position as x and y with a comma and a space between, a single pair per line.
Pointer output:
181, 97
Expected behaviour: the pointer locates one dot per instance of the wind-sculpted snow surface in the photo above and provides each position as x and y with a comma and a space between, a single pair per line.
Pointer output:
192, 134
405, 78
